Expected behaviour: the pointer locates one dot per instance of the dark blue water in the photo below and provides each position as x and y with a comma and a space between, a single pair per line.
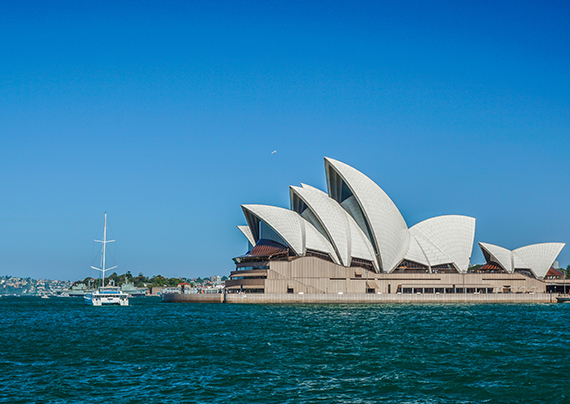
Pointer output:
62, 351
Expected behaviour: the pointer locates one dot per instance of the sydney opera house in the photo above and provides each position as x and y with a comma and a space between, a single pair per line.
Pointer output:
353, 239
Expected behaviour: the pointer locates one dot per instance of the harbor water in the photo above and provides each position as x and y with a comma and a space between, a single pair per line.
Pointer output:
60, 350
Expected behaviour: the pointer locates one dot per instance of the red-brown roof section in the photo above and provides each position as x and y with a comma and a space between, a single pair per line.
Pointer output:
268, 248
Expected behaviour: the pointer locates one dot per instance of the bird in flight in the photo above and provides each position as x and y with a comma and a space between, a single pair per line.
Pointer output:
274, 151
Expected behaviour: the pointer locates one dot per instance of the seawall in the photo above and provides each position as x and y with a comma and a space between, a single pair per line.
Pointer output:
360, 298
193, 298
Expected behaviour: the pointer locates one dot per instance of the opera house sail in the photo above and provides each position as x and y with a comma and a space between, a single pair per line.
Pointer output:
532, 260
353, 239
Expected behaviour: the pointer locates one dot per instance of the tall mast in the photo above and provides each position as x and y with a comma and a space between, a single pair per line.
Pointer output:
104, 252
104, 248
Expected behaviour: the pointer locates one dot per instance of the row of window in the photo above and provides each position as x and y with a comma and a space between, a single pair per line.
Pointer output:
248, 277
244, 291
251, 268
445, 290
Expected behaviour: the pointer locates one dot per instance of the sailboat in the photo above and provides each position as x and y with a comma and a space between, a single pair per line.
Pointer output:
111, 294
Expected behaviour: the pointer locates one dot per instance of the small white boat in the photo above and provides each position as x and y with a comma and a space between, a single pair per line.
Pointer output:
106, 295
45, 297
563, 299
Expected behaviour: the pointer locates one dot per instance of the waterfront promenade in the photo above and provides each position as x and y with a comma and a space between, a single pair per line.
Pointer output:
360, 298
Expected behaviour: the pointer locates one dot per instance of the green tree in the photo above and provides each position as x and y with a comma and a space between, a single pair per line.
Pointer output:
113, 277
158, 280
139, 280
474, 268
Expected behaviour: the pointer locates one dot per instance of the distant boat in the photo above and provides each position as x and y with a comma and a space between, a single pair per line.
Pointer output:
78, 290
45, 297
563, 299
133, 291
106, 295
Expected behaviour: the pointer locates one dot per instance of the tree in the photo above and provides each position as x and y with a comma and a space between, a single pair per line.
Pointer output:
173, 281
113, 277
474, 268
139, 280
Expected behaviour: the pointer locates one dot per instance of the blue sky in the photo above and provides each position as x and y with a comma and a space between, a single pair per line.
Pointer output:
165, 114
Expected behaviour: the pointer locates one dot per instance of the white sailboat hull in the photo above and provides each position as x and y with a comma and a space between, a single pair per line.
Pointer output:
105, 298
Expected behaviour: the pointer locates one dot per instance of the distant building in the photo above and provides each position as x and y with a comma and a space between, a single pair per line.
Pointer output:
156, 291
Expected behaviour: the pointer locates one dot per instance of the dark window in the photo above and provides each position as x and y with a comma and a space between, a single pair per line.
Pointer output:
411, 266
254, 291
524, 272
319, 254
356, 262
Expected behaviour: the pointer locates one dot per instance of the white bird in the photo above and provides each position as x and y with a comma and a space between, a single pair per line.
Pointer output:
274, 151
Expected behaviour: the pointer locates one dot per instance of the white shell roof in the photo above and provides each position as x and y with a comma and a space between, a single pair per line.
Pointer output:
499, 254
415, 252
451, 235
327, 212
347, 238
519, 262
433, 254
366, 225
285, 222
538, 257
352, 208
316, 241
389, 230
247, 233
297, 232
360, 246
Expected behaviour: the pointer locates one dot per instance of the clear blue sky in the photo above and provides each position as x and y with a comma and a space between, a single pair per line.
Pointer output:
165, 114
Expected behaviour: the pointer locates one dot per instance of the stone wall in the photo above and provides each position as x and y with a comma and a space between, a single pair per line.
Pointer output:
193, 298
288, 298
391, 298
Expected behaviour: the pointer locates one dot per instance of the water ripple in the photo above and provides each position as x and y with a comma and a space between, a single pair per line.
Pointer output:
62, 351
